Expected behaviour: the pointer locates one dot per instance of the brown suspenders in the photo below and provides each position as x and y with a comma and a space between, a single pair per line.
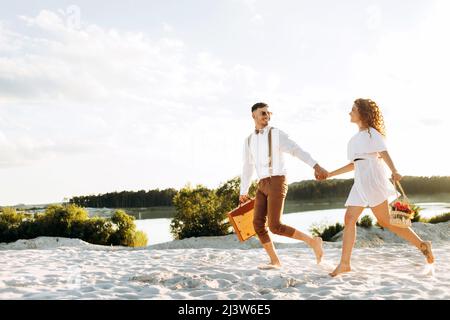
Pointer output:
270, 149
270, 152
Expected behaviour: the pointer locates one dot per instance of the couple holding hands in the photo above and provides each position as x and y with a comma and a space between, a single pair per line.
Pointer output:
264, 150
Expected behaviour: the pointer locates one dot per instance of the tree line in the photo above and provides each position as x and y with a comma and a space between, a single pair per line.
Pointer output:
127, 199
303, 190
340, 188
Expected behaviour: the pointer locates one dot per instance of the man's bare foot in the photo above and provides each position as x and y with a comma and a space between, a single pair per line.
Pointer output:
317, 247
270, 266
425, 247
341, 268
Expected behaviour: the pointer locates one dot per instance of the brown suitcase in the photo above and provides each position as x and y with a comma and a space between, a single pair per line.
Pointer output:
241, 219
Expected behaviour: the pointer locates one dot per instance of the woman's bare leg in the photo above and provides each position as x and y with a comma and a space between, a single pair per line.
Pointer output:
351, 217
381, 212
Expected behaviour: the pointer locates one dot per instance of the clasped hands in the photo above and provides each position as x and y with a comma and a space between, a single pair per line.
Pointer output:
320, 173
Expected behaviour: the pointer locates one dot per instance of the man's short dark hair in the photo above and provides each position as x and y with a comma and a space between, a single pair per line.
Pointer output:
259, 105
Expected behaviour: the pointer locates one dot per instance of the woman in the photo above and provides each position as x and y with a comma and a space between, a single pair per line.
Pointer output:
371, 187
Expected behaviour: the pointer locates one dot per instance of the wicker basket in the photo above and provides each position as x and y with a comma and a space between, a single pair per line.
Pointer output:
399, 218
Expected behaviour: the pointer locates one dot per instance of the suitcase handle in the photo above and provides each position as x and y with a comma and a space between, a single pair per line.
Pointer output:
244, 203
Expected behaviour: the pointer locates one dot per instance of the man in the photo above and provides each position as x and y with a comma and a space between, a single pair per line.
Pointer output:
272, 184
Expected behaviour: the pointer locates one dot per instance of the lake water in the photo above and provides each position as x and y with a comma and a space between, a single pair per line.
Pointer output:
158, 230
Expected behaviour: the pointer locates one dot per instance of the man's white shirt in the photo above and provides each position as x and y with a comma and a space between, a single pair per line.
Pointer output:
257, 156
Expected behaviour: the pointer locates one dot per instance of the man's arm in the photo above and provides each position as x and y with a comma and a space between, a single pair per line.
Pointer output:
247, 174
291, 147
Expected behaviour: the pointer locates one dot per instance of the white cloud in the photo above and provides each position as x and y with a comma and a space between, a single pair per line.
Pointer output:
375, 15
167, 27
46, 20
93, 64
257, 19
24, 150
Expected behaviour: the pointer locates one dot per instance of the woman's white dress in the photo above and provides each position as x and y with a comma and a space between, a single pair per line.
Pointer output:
372, 185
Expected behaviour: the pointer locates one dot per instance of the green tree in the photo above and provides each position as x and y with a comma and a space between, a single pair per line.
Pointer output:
126, 228
228, 193
198, 214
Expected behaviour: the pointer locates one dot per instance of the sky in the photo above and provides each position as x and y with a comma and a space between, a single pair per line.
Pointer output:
104, 96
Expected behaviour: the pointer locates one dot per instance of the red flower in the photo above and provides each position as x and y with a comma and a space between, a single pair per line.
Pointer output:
403, 207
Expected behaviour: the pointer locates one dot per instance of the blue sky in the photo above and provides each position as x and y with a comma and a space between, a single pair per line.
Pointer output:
111, 95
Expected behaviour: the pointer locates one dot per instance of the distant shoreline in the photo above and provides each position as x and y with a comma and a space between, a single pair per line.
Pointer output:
334, 190
291, 206
442, 196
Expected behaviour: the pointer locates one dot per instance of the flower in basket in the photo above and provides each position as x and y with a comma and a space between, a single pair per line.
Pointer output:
401, 206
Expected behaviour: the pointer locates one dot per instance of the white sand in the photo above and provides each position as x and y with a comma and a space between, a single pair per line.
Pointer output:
384, 267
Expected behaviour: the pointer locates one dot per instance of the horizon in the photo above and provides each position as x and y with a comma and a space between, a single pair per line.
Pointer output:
158, 94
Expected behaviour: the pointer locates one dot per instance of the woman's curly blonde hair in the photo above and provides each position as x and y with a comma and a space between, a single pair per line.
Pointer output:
371, 115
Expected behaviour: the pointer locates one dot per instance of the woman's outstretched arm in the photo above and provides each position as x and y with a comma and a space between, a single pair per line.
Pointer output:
349, 167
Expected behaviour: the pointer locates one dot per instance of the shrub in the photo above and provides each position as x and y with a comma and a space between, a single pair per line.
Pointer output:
440, 218
95, 230
228, 193
326, 232
10, 216
416, 214
198, 214
125, 229
139, 239
203, 212
365, 222
73, 222
10, 221
28, 229
57, 220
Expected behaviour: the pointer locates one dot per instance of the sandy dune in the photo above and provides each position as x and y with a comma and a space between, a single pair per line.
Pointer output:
222, 268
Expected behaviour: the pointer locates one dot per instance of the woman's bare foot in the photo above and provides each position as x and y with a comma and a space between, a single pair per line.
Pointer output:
425, 247
270, 266
341, 268
317, 247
